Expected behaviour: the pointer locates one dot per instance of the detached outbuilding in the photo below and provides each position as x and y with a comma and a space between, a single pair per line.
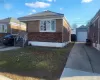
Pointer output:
81, 34
47, 28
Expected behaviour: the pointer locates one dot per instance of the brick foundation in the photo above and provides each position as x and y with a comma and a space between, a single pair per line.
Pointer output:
45, 36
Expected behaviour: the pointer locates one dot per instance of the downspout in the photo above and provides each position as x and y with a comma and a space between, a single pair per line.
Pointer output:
99, 32
10, 27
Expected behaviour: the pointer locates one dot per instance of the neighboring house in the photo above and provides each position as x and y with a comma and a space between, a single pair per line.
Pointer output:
11, 26
94, 30
47, 29
81, 33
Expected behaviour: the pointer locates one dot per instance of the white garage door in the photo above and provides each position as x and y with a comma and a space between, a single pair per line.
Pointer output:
81, 36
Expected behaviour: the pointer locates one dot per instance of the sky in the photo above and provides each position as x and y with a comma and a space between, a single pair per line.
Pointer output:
76, 11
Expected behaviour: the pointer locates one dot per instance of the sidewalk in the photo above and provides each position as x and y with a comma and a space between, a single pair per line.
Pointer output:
72, 74
4, 78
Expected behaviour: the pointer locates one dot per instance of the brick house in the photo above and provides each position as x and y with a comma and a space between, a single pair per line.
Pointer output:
11, 26
47, 28
14, 27
94, 30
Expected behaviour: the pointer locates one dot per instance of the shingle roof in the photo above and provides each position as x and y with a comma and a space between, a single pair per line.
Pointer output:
42, 15
45, 13
97, 14
6, 20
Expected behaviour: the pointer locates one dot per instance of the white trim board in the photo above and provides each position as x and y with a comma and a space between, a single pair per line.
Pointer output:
47, 44
40, 19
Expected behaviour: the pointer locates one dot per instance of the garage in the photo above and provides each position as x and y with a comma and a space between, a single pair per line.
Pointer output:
81, 34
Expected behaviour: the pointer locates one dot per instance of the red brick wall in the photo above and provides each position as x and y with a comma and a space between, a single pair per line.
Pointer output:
66, 31
45, 36
93, 32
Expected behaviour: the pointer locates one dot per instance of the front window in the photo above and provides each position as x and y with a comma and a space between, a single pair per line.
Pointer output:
3, 28
47, 25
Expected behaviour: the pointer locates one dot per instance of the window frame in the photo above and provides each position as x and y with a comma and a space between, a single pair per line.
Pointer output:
50, 25
4, 25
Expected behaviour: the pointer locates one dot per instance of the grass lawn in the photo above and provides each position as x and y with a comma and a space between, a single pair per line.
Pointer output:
34, 63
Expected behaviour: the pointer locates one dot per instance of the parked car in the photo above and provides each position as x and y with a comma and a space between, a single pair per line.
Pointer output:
8, 40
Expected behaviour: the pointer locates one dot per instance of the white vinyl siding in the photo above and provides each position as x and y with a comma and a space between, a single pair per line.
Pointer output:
3, 28
47, 25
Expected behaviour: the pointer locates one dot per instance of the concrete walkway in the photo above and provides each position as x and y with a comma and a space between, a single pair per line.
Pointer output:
83, 62
9, 48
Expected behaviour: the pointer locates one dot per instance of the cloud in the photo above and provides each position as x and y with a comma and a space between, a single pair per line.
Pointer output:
86, 1
33, 10
37, 4
30, 13
7, 6
61, 8
49, 0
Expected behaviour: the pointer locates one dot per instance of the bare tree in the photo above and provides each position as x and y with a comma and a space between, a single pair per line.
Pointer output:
74, 26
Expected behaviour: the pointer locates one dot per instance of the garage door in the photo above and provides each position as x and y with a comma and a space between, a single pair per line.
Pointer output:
81, 36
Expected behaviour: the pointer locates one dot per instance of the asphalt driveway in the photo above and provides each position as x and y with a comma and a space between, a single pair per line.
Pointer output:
82, 61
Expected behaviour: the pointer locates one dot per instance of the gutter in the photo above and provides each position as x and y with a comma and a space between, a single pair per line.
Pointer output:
62, 31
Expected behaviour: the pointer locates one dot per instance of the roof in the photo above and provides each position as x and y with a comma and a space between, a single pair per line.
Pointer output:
45, 13
6, 20
97, 14
83, 26
10, 19
42, 15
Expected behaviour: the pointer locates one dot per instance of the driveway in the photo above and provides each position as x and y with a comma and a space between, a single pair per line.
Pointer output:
83, 61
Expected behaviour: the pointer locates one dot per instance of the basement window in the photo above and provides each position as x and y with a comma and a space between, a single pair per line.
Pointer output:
47, 25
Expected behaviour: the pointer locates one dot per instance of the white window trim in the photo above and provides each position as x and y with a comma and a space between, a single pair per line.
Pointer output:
6, 27
50, 25
14, 24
